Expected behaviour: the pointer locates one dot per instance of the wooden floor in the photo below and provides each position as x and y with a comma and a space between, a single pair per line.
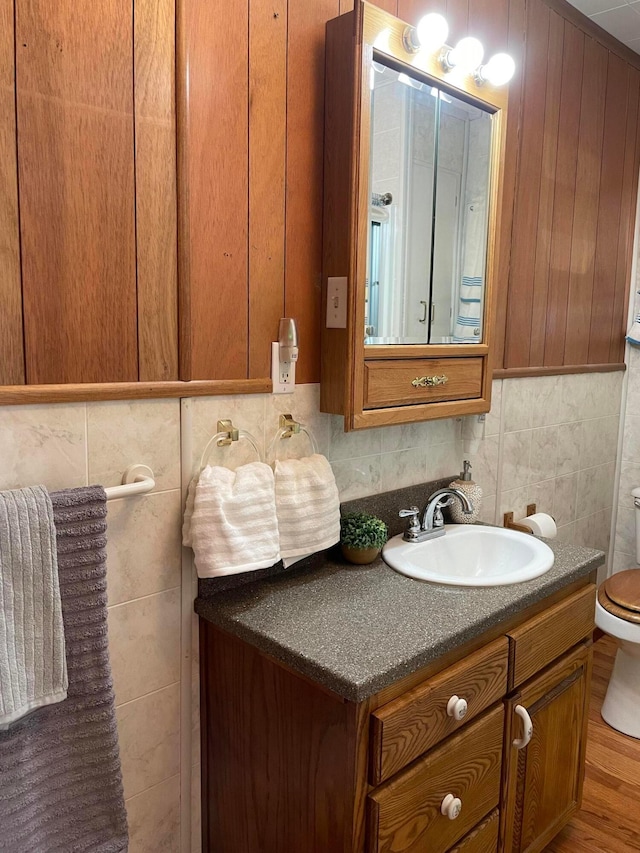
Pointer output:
609, 821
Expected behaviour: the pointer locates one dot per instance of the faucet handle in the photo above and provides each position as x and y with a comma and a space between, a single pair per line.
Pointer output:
413, 527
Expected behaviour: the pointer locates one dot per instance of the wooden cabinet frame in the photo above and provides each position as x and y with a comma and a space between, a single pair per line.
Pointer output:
350, 50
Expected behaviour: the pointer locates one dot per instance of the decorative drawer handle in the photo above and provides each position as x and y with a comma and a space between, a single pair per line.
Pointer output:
451, 806
521, 742
429, 381
457, 708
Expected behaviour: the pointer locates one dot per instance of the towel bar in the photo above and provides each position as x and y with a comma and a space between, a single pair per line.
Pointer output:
136, 480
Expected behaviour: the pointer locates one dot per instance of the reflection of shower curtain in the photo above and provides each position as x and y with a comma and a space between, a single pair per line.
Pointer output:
468, 325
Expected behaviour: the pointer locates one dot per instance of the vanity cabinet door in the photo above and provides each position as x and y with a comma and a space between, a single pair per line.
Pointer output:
543, 779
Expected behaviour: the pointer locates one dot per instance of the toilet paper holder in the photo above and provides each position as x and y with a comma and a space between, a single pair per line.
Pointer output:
512, 525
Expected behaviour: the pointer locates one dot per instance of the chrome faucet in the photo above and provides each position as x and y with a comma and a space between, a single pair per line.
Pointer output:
432, 523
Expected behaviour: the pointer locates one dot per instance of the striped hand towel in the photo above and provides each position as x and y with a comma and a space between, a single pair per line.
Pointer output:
230, 520
33, 666
60, 779
307, 506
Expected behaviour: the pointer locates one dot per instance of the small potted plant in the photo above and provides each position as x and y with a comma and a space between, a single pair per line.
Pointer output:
361, 537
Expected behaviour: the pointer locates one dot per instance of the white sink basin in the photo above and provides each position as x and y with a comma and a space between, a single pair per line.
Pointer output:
471, 555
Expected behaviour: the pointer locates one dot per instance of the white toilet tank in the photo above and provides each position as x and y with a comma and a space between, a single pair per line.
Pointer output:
636, 500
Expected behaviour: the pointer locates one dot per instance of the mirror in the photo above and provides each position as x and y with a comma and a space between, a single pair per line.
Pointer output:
429, 182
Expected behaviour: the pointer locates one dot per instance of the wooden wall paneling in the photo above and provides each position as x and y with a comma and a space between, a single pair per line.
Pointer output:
11, 341
412, 10
267, 163
566, 163
627, 218
457, 16
585, 211
304, 177
547, 190
489, 22
155, 164
75, 131
390, 6
523, 251
516, 47
213, 179
609, 210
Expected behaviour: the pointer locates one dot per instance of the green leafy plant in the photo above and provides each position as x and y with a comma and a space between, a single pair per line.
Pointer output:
361, 530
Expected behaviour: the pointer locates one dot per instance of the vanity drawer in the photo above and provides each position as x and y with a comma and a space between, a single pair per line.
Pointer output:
542, 639
482, 839
405, 813
414, 722
402, 382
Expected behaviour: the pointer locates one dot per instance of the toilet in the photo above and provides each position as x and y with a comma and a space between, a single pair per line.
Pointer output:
618, 614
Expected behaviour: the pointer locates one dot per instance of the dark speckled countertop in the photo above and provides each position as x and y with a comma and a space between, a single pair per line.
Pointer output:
357, 629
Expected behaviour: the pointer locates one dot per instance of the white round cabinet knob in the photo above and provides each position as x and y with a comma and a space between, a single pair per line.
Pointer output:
457, 708
451, 806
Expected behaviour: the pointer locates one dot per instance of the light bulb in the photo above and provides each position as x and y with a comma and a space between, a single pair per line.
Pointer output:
432, 31
382, 40
498, 70
466, 55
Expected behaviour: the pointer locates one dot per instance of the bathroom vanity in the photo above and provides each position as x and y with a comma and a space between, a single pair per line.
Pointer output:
355, 710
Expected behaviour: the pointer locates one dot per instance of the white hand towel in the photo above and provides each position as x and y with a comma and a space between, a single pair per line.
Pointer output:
33, 664
232, 526
307, 505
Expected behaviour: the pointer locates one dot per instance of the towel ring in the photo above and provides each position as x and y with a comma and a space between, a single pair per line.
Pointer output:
288, 428
227, 434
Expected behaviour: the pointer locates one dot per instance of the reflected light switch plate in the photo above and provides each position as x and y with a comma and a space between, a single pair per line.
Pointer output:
337, 302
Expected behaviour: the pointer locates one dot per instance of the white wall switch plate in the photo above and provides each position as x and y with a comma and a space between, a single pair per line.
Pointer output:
337, 302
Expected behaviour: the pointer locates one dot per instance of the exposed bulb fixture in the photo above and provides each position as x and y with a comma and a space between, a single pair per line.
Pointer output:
466, 55
498, 70
430, 34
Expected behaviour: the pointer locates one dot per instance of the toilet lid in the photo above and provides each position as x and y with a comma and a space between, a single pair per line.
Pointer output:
615, 609
624, 589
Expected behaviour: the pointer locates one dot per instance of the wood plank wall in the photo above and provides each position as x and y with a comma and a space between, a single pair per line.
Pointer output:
88, 224
94, 185
575, 197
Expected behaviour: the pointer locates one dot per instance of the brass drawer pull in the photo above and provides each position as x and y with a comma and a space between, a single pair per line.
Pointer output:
429, 381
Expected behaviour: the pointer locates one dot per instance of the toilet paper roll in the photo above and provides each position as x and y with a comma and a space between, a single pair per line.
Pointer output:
541, 524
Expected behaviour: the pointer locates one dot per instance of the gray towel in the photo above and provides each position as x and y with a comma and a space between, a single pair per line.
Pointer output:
33, 667
60, 779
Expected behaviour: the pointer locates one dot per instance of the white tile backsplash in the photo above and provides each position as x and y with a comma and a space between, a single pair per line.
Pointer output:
149, 734
145, 644
43, 445
126, 432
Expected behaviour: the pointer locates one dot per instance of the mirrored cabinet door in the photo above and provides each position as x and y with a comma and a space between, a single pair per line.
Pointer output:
413, 182
430, 155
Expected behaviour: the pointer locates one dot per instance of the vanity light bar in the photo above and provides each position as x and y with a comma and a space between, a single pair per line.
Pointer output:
430, 35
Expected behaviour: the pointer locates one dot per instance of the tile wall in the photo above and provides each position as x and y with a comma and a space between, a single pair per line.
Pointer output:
624, 556
73, 445
541, 442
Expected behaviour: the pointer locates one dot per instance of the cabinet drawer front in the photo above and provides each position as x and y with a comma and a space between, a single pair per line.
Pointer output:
401, 382
482, 839
414, 722
546, 636
404, 813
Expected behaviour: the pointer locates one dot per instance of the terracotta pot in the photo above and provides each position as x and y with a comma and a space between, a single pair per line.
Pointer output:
359, 556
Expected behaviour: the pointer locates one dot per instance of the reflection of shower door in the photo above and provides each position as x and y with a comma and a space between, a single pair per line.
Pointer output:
419, 224
372, 299
444, 254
